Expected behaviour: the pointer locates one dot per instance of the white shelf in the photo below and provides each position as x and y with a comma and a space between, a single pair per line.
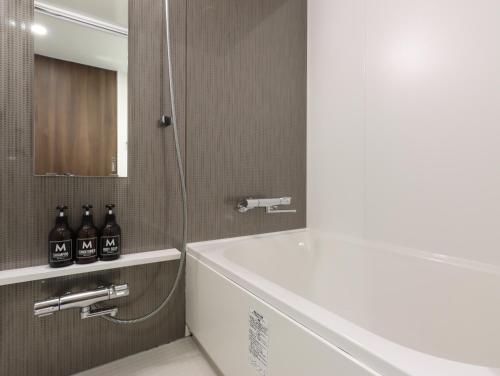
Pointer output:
36, 273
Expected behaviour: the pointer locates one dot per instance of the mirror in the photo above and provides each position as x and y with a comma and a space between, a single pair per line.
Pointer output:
80, 87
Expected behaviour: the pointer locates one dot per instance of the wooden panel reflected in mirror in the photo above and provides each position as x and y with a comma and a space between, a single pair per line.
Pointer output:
80, 88
75, 118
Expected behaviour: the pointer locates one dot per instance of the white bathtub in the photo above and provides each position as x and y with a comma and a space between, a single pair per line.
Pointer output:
341, 306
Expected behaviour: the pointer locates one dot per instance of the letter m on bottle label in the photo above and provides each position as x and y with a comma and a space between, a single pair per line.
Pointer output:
61, 247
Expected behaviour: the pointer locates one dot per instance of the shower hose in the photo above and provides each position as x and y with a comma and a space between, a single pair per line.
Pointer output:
182, 180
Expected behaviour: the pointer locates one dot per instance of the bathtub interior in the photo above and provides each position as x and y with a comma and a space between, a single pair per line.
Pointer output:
422, 303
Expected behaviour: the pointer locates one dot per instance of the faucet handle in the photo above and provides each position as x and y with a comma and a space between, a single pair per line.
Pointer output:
276, 210
243, 205
92, 311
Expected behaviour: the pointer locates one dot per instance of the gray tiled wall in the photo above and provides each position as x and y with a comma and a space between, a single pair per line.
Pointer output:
148, 201
148, 204
246, 113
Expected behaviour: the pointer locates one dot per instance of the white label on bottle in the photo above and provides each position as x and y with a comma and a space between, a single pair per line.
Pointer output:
110, 245
258, 341
61, 251
86, 248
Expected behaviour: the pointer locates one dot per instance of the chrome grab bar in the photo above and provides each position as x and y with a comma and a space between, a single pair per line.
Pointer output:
85, 300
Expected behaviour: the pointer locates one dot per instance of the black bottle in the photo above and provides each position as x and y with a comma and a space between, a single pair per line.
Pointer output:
86, 239
61, 241
110, 241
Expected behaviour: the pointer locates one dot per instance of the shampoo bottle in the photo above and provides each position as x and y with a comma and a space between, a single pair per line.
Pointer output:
86, 238
110, 241
61, 241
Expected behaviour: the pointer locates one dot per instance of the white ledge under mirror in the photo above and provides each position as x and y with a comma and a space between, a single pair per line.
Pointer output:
36, 273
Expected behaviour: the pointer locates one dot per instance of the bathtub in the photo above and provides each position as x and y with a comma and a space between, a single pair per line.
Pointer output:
303, 303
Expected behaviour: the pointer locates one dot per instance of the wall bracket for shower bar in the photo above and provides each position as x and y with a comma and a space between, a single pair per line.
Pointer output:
271, 204
85, 300
165, 121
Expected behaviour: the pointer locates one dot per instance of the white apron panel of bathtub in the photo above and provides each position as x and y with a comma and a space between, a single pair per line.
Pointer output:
220, 316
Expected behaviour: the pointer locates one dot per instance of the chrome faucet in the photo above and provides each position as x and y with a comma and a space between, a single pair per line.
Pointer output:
84, 300
271, 204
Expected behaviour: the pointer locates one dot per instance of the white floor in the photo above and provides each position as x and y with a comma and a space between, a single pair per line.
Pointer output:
180, 358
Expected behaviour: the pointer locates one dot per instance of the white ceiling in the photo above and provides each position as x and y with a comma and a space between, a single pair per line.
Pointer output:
81, 44
112, 11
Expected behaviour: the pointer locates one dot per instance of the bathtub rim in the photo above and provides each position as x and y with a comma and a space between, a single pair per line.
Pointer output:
375, 351
200, 264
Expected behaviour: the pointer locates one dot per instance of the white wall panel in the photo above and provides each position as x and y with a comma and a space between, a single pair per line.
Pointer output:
404, 123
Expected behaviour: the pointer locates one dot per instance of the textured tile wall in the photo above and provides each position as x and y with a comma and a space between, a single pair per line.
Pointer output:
64, 344
148, 204
246, 113
148, 201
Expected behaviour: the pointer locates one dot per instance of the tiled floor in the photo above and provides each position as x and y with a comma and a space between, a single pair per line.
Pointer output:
180, 358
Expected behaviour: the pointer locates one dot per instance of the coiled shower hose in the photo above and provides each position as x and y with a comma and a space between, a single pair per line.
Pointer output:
182, 181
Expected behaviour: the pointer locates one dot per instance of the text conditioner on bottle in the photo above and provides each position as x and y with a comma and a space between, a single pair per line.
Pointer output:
86, 238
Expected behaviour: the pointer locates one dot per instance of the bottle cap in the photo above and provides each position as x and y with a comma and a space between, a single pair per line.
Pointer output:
61, 209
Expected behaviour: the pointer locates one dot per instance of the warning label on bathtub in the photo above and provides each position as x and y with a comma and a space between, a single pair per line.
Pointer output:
258, 341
